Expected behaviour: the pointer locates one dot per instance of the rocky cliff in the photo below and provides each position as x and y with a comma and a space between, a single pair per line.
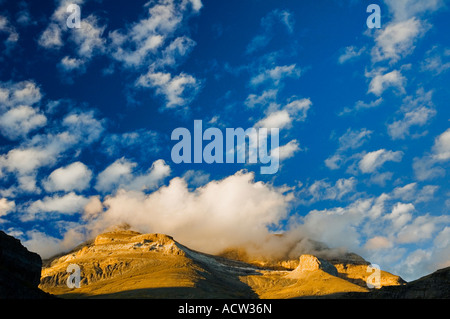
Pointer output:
20, 270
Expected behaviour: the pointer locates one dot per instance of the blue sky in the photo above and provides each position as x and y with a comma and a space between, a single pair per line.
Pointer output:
86, 116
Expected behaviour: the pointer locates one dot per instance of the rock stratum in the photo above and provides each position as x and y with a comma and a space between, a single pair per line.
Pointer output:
128, 264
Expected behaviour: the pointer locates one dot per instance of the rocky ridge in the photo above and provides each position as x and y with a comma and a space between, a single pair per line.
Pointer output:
20, 270
128, 264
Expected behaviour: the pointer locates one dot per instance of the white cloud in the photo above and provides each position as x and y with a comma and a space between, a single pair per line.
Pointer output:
119, 175
396, 40
93, 207
381, 82
19, 121
433, 62
266, 98
361, 105
401, 214
441, 147
48, 246
6, 206
83, 126
350, 140
334, 162
26, 160
443, 238
350, 53
373, 160
322, 190
175, 51
88, 37
69, 64
68, 204
278, 119
73, 177
378, 242
416, 111
51, 37
428, 166
205, 217
288, 150
178, 90
114, 175
44, 150
417, 117
353, 139
144, 37
276, 74
295, 110
406, 9
423, 227
20, 93
6, 27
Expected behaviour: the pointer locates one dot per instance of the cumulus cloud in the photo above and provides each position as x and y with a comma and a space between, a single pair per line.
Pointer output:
48, 246
412, 192
20, 93
361, 105
73, 177
67, 204
441, 147
381, 82
178, 90
397, 39
145, 46
323, 190
120, 175
266, 98
19, 121
350, 53
405, 9
275, 75
429, 165
6, 206
288, 150
353, 139
87, 38
378, 242
295, 110
416, 111
10, 30
235, 211
373, 160
69, 64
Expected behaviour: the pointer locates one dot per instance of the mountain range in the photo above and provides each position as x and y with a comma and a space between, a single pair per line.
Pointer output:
128, 264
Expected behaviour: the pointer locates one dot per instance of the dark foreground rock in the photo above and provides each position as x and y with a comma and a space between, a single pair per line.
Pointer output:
20, 271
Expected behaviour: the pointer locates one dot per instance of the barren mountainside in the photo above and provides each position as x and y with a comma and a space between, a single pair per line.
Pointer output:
127, 264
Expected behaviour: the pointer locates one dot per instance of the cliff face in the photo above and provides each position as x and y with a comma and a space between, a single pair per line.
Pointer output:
20, 270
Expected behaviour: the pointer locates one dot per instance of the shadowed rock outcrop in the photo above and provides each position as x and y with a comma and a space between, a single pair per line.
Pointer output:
20, 270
